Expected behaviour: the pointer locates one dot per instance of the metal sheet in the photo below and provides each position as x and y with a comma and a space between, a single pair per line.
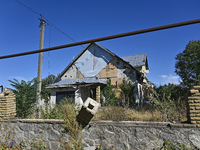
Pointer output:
93, 61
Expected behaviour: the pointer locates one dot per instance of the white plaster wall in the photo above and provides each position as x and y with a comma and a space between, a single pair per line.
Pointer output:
78, 99
53, 94
81, 94
71, 73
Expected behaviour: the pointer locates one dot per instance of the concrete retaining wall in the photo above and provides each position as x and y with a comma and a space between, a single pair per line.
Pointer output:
122, 135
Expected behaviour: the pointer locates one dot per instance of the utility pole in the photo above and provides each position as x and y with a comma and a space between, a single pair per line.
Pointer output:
40, 61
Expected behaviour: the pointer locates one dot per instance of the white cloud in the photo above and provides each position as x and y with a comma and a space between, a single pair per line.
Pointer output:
165, 79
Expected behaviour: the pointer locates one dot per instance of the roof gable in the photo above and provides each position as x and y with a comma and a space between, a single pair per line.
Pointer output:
88, 52
100, 58
137, 60
93, 60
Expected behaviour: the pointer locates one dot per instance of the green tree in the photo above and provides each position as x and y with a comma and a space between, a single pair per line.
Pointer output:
127, 94
171, 101
188, 63
25, 93
109, 93
172, 92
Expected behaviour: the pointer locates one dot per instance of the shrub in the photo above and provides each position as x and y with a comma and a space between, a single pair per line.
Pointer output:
25, 93
172, 107
57, 111
127, 94
109, 93
73, 127
114, 113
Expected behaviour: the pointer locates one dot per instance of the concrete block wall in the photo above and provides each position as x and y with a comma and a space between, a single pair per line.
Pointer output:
194, 105
7, 104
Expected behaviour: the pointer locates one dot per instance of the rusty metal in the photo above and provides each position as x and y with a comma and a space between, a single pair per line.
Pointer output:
105, 38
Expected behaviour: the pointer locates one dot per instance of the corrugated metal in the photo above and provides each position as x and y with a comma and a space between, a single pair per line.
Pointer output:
136, 60
68, 82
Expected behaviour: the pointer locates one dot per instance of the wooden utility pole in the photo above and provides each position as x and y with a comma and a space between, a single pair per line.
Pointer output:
40, 61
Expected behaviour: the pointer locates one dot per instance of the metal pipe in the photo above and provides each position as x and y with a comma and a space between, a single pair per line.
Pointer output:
105, 38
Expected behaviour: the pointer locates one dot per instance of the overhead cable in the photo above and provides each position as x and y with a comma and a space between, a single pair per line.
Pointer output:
106, 38
46, 20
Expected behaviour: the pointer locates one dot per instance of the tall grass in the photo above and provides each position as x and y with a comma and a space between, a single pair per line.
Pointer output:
117, 113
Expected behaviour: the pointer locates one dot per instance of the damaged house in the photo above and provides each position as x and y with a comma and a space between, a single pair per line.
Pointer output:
89, 71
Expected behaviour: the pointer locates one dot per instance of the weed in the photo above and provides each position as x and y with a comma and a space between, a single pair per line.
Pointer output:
74, 129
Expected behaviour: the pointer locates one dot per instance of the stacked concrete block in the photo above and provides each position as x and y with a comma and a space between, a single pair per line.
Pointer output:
7, 105
194, 105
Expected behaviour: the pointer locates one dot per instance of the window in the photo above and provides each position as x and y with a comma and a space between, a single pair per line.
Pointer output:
61, 95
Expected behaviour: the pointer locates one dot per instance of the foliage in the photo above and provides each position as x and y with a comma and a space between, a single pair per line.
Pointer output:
167, 145
114, 113
57, 111
73, 127
127, 94
66, 110
109, 93
38, 144
188, 63
12, 146
25, 93
45, 92
173, 92
170, 101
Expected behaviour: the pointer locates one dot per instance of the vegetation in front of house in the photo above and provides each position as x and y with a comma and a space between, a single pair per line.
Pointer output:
127, 91
169, 103
126, 97
109, 93
25, 93
72, 128
57, 111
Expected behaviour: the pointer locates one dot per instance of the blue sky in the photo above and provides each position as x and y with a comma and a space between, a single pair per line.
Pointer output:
89, 19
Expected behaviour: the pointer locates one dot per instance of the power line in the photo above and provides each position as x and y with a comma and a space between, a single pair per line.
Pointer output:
106, 38
28, 8
46, 20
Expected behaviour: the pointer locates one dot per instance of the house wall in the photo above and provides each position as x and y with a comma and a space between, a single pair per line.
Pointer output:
81, 94
53, 94
71, 73
116, 70
119, 71
110, 70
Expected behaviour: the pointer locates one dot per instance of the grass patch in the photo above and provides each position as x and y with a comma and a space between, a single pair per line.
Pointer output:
117, 113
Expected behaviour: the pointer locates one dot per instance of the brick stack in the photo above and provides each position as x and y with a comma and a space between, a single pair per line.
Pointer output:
7, 105
194, 105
